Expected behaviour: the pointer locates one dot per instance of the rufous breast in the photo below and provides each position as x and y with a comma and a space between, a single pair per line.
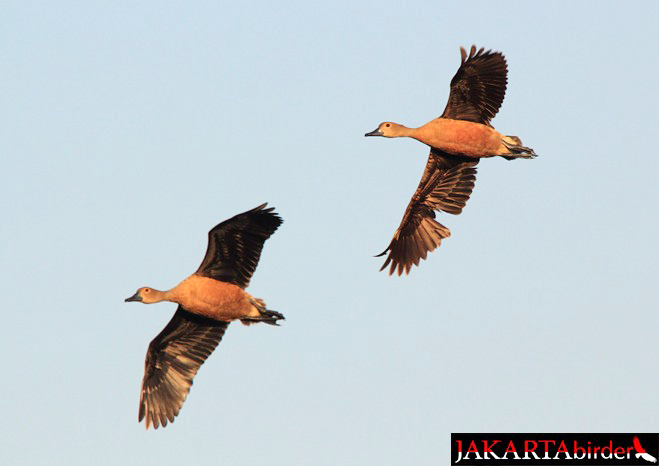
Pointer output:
213, 298
460, 137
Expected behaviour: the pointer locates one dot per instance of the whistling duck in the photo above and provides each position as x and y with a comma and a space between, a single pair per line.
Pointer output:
457, 140
208, 300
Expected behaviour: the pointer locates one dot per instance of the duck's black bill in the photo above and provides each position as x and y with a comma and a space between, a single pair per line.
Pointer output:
135, 297
377, 132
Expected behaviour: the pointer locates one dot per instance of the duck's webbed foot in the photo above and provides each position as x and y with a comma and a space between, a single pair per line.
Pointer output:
516, 150
267, 316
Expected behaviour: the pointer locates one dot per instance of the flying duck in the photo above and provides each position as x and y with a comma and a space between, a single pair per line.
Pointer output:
208, 300
457, 140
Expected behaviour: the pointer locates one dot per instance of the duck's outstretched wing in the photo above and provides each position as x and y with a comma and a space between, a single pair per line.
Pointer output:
446, 185
478, 87
172, 361
235, 245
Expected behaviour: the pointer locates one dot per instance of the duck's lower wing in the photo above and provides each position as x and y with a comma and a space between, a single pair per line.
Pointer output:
172, 361
446, 185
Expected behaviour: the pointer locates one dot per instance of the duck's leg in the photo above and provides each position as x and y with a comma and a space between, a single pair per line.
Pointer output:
266, 315
515, 149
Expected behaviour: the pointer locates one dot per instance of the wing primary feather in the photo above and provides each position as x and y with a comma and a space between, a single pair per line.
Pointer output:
173, 359
478, 87
235, 245
446, 186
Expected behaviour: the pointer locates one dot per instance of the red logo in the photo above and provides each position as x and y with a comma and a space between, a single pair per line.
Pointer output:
642, 453
512, 449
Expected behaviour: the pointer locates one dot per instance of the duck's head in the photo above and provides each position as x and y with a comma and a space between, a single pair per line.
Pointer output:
389, 130
145, 295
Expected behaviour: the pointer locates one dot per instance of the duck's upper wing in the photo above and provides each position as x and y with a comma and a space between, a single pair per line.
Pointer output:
235, 245
172, 361
446, 185
478, 87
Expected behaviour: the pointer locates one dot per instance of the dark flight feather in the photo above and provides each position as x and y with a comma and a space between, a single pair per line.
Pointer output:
235, 245
446, 185
478, 87
172, 361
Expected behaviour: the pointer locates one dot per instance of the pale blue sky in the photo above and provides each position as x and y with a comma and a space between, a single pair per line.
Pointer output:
129, 129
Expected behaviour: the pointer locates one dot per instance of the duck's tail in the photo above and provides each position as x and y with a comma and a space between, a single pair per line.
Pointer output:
515, 149
266, 315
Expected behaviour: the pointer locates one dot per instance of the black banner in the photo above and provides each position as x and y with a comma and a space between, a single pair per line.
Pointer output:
541, 449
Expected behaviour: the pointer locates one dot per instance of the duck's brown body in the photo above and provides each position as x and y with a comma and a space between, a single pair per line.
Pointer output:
208, 300
461, 137
212, 298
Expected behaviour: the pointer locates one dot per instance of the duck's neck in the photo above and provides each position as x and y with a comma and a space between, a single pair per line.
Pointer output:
170, 295
404, 132
157, 296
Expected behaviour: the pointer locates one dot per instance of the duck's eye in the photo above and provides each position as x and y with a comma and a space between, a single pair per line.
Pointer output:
387, 125
146, 290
